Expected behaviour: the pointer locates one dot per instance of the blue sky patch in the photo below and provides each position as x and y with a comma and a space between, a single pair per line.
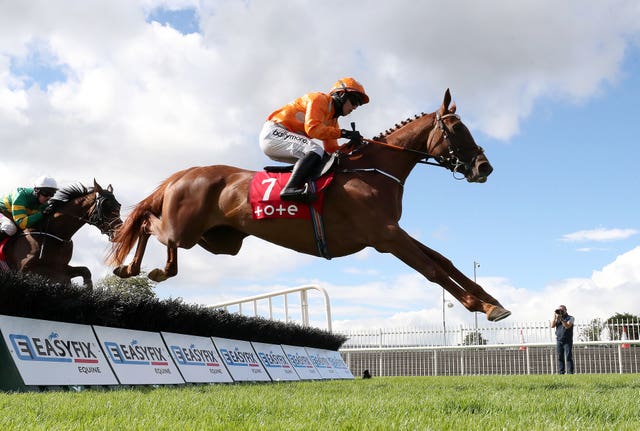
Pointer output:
40, 67
184, 20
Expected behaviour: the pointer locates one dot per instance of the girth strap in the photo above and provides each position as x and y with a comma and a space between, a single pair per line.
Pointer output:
318, 227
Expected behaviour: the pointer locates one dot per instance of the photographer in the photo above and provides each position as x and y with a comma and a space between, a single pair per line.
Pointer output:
564, 339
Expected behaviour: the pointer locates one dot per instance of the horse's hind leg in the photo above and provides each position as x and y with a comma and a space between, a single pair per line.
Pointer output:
80, 271
170, 268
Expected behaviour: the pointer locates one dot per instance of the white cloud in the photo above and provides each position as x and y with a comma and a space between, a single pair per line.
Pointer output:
600, 234
622, 273
142, 90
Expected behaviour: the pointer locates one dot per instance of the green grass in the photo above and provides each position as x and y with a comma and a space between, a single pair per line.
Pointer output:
578, 402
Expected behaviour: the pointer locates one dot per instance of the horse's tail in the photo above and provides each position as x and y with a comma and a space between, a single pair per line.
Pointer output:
127, 235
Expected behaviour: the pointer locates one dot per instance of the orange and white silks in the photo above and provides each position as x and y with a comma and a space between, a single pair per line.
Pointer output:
312, 115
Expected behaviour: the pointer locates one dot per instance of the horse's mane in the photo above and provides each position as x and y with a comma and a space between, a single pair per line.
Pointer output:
383, 135
68, 194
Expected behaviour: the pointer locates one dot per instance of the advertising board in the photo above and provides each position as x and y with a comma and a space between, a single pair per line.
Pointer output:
196, 358
241, 360
301, 362
138, 357
275, 361
55, 353
338, 364
320, 360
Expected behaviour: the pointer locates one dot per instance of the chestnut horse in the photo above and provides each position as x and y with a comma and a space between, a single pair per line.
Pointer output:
47, 248
208, 206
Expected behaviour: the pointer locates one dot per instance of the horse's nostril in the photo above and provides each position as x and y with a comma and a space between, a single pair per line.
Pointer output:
485, 169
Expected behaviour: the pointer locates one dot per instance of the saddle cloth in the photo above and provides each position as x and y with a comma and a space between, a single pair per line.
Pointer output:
264, 196
3, 259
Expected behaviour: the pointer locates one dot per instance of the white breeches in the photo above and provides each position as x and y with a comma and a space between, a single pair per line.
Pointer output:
7, 225
284, 146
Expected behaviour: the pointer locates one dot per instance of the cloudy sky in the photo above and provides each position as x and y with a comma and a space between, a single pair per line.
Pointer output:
130, 91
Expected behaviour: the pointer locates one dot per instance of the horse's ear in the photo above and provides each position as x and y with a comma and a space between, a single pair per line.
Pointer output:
109, 188
445, 103
97, 186
452, 108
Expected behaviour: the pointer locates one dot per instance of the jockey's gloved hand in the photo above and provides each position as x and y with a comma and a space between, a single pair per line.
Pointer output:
48, 210
350, 134
352, 145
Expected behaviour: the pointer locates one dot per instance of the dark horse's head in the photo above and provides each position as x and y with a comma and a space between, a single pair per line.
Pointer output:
452, 145
97, 206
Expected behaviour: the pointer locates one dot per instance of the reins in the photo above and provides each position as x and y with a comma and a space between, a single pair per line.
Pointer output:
45, 234
424, 155
32, 233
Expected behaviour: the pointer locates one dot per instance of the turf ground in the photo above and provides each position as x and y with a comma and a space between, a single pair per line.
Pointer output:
577, 402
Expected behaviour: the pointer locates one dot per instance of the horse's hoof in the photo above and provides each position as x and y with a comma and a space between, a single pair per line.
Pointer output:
157, 275
498, 313
121, 271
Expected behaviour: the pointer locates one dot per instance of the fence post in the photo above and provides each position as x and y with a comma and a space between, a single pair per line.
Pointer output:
286, 308
304, 305
620, 357
380, 363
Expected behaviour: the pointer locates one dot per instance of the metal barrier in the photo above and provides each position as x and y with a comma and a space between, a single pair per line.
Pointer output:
502, 348
304, 303
502, 333
537, 358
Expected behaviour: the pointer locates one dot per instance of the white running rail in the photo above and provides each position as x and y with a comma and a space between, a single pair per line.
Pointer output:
304, 303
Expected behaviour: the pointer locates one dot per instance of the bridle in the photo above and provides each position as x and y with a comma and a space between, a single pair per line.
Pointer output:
451, 160
97, 216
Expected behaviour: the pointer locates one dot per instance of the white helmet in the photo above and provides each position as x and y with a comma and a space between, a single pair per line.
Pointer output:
45, 182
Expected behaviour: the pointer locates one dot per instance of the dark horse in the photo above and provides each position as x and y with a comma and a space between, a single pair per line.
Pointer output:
46, 249
209, 206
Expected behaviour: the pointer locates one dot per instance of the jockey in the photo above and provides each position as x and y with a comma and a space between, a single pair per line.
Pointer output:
290, 132
23, 208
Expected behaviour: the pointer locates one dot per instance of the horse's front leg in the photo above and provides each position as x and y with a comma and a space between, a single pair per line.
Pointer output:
396, 241
464, 281
80, 271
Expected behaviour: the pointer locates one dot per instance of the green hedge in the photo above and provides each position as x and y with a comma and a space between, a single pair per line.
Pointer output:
32, 296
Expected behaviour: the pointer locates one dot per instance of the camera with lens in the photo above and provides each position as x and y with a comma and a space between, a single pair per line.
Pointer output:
558, 311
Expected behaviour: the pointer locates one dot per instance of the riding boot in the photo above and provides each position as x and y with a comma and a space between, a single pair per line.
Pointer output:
297, 188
